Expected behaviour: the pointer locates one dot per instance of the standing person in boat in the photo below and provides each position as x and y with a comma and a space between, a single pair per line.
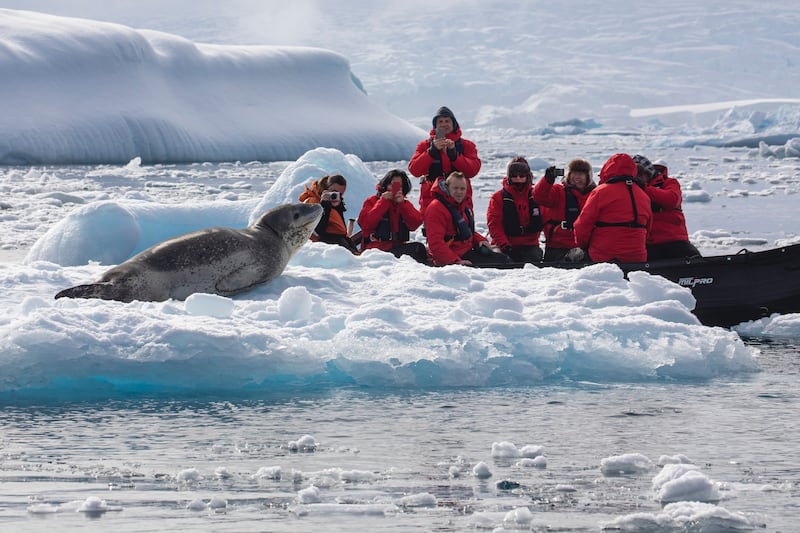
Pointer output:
445, 151
615, 221
387, 218
562, 203
513, 217
328, 191
450, 224
668, 236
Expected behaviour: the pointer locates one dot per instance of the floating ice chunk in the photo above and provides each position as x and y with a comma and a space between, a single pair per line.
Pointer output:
268, 472
481, 471
190, 475
308, 495
222, 473
521, 516
685, 516
673, 459
536, 462
306, 443
504, 449
629, 463
684, 482
218, 504
196, 505
531, 451
424, 499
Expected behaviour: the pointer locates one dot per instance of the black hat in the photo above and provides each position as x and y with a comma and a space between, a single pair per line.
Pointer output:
444, 111
519, 165
644, 164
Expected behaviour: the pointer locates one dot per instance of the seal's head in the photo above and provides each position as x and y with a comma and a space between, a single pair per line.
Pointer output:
292, 222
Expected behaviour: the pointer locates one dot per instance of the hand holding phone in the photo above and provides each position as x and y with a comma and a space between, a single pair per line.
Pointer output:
397, 188
440, 133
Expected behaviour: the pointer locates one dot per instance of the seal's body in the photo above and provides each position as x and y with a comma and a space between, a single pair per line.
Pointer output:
224, 261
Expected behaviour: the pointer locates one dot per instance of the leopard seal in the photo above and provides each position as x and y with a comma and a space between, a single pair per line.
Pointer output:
224, 261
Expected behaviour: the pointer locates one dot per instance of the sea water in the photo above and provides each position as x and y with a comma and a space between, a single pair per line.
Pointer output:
402, 460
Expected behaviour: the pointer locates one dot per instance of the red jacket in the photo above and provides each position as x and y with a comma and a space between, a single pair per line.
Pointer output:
440, 229
553, 198
611, 203
422, 164
669, 224
375, 210
495, 217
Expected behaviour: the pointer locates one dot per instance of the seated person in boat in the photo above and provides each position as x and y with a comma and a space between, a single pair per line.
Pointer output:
513, 217
562, 203
668, 236
450, 224
388, 218
443, 152
615, 221
328, 191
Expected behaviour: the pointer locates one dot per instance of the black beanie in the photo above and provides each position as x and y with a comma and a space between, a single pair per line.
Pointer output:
444, 111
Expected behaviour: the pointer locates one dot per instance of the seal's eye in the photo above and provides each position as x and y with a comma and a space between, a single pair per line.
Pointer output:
296, 215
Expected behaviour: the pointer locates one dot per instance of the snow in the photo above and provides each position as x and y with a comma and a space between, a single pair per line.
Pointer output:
106, 93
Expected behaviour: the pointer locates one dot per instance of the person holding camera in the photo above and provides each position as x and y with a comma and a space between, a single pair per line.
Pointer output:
514, 217
562, 203
450, 222
615, 220
668, 237
328, 191
388, 218
445, 151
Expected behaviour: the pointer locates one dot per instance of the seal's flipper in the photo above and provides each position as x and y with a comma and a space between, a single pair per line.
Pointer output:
104, 291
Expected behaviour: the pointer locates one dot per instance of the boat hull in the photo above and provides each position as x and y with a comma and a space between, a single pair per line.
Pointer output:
730, 289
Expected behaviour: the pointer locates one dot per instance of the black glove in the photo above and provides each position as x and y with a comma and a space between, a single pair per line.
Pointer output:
433, 152
451, 153
550, 174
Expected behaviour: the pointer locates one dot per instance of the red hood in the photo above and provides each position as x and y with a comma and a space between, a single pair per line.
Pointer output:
618, 165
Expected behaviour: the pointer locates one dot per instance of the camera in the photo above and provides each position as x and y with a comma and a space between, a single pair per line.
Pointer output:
559, 172
333, 196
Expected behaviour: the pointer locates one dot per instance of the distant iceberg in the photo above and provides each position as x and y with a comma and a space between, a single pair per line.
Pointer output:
78, 91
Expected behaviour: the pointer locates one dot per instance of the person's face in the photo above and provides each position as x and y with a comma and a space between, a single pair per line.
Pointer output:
338, 188
518, 180
457, 189
446, 123
579, 179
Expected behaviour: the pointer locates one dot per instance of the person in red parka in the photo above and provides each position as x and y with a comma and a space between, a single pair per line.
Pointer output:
439, 155
513, 217
615, 221
450, 224
562, 203
668, 235
388, 218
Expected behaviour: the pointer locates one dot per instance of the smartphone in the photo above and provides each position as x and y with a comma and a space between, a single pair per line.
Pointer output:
440, 133
397, 187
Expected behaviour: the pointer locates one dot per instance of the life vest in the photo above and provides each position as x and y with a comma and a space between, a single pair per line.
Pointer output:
571, 212
511, 224
436, 169
634, 223
465, 227
383, 231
